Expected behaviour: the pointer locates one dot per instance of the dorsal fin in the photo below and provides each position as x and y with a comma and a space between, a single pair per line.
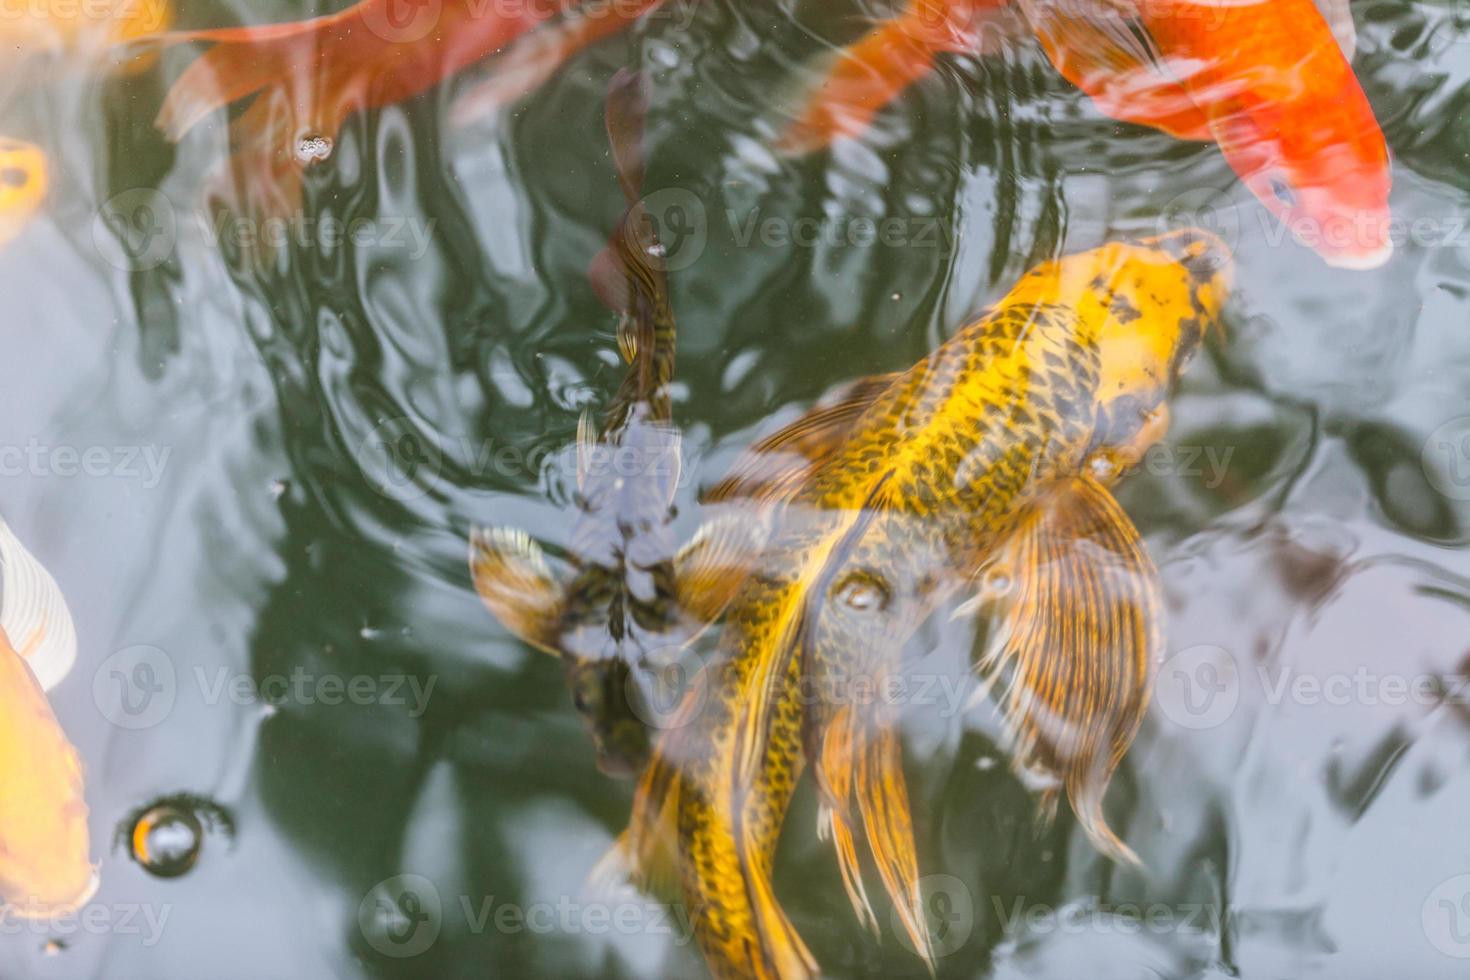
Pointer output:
773, 469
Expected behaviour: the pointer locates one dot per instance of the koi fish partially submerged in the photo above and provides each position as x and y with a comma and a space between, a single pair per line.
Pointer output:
630, 599
306, 78
984, 469
1270, 82
44, 845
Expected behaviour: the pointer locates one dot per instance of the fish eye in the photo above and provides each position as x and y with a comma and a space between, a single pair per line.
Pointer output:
863, 591
14, 177
1283, 192
166, 836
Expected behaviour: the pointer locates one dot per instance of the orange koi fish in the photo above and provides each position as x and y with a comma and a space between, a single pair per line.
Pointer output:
44, 844
1270, 82
306, 78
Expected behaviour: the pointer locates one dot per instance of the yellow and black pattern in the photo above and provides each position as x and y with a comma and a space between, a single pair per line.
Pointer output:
968, 468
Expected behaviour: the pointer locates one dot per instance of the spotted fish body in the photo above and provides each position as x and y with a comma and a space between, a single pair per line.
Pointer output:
631, 598
985, 462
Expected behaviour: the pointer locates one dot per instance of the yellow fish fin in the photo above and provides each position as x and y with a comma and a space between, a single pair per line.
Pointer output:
517, 584
862, 760
710, 569
23, 180
1111, 56
833, 768
774, 468
644, 854
44, 861
1079, 629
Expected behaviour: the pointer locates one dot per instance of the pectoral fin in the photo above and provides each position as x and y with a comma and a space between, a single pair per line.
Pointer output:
1080, 626
774, 468
867, 75
513, 577
1112, 57
33, 612
712, 567
862, 761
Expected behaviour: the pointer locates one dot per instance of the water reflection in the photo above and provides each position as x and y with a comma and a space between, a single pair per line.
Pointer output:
292, 547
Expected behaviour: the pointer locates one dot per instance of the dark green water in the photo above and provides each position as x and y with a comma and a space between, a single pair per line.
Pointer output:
289, 457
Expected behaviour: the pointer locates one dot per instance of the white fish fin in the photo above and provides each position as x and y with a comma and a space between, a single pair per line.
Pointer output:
33, 612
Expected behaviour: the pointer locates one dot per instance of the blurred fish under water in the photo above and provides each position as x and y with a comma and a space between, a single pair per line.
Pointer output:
630, 600
984, 467
1294, 790
44, 839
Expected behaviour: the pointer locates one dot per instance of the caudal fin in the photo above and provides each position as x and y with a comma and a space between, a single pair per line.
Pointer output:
533, 59
869, 74
309, 76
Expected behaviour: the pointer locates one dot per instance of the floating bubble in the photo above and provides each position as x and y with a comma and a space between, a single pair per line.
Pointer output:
311, 149
167, 841
167, 836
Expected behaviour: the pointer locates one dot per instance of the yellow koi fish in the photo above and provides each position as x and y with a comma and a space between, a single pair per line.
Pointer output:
982, 470
45, 863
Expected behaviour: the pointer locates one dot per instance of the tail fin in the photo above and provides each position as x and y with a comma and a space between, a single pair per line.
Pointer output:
871, 73
629, 274
537, 56
318, 72
863, 762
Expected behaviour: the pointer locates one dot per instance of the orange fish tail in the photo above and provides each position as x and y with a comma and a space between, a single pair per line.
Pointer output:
315, 73
533, 59
873, 72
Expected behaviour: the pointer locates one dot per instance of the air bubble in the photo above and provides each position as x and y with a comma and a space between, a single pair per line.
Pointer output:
166, 840
311, 149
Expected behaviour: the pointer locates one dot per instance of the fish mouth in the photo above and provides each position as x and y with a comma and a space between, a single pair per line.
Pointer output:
1361, 261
